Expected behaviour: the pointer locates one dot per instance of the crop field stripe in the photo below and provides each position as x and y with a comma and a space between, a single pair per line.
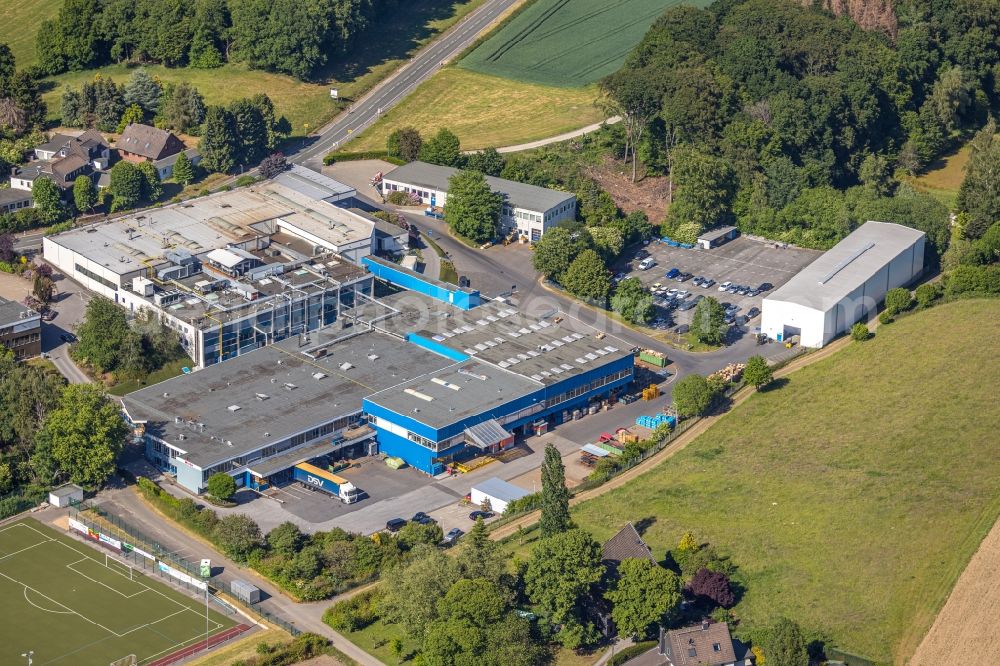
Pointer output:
576, 47
517, 38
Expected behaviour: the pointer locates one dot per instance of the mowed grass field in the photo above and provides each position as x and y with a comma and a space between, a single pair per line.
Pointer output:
852, 497
62, 602
485, 110
19, 23
568, 43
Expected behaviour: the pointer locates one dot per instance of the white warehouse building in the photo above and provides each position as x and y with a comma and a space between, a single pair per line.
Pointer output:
844, 285
528, 209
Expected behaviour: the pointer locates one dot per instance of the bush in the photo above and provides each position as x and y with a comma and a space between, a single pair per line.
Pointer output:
926, 294
221, 486
859, 332
345, 156
245, 180
897, 300
356, 613
402, 199
885, 317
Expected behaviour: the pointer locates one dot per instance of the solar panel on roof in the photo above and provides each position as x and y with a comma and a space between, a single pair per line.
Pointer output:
610, 348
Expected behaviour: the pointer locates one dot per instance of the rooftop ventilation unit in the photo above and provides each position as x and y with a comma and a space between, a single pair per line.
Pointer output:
319, 375
262, 396
346, 366
233, 408
290, 386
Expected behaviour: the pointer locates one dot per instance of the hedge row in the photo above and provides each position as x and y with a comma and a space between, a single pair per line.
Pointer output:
631, 652
347, 156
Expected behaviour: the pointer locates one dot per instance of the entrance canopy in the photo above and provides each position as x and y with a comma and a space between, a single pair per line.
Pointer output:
487, 434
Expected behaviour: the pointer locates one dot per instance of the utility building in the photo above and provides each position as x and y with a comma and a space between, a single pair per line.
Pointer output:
844, 285
528, 210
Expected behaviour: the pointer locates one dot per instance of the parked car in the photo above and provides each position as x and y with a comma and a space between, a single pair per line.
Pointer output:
765, 286
753, 312
682, 294
646, 264
725, 286
422, 518
732, 289
67, 337
476, 515
672, 273
707, 282
687, 305
453, 535
395, 524
696, 280
683, 277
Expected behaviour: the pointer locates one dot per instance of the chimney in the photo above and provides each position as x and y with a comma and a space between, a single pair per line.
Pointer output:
704, 625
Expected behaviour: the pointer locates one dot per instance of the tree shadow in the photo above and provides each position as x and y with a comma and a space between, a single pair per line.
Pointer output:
392, 36
775, 384
644, 524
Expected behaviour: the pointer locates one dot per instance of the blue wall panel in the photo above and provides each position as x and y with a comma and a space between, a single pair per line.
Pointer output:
437, 347
460, 298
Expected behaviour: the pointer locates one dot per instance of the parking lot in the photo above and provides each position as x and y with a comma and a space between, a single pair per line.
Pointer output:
741, 261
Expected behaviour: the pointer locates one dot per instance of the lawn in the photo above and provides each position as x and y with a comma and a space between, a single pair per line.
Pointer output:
944, 176
65, 604
171, 369
567, 43
307, 106
19, 22
242, 649
852, 497
485, 110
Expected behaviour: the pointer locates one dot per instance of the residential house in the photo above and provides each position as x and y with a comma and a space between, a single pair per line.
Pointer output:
20, 330
61, 159
626, 544
142, 143
705, 644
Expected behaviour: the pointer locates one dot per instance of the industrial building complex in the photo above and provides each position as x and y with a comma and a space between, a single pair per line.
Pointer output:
844, 285
237, 270
409, 375
20, 329
528, 210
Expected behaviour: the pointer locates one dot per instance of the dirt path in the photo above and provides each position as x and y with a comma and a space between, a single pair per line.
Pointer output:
678, 444
967, 630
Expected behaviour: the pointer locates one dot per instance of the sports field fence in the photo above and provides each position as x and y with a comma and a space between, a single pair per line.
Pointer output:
144, 554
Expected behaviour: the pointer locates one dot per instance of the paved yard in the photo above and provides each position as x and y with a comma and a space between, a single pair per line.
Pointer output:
358, 174
741, 261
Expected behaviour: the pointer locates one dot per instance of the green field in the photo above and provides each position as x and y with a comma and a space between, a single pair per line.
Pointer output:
567, 43
61, 601
19, 22
485, 110
852, 497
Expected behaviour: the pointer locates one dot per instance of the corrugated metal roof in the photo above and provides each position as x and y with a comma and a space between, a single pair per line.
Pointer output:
500, 489
847, 265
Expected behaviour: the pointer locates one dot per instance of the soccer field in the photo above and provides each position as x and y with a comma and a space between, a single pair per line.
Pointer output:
71, 604
568, 43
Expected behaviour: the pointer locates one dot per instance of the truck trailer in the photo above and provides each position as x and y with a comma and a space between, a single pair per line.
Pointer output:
314, 477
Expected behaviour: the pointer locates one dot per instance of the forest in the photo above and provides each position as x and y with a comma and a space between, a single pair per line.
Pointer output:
798, 125
296, 37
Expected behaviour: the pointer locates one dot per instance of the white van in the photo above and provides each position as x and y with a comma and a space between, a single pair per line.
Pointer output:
646, 264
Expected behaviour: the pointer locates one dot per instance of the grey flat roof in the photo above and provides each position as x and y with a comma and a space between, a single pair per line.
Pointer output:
521, 195
66, 490
313, 184
206, 396
496, 487
11, 312
716, 233
847, 265
544, 349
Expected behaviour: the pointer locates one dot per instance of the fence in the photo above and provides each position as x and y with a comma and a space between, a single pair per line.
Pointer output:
147, 554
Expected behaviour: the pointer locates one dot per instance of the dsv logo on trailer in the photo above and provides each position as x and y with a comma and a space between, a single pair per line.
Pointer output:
313, 480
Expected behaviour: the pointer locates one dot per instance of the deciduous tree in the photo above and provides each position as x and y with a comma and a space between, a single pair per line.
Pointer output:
979, 194
238, 535
709, 321
126, 186
557, 249
221, 486
404, 143
633, 301
587, 277
692, 396
472, 209
784, 645
86, 433
443, 148
897, 300
713, 585
48, 199
84, 194
757, 372
643, 595
487, 161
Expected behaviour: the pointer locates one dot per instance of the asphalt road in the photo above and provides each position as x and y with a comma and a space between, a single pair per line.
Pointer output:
387, 94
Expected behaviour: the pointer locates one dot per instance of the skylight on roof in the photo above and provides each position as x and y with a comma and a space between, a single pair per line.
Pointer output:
581, 360
438, 338
446, 384
504, 364
481, 322
233, 408
568, 338
611, 348
417, 394
565, 366
557, 343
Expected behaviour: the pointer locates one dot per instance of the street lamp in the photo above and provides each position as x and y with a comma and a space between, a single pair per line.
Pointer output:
27, 655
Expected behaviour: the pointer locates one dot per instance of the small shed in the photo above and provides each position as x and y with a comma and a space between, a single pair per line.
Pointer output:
65, 495
498, 492
716, 237
244, 591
